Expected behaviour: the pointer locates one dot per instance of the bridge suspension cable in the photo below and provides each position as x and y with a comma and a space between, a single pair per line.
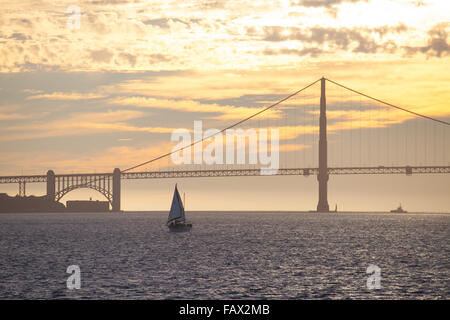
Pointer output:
223, 130
389, 104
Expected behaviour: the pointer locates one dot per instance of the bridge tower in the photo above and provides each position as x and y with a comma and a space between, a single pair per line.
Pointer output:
116, 190
322, 176
51, 185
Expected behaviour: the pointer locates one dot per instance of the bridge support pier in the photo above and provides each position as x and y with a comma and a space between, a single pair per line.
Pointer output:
322, 176
22, 188
51, 185
116, 190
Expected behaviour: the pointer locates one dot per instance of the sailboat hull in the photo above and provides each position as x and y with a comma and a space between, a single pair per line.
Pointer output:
180, 227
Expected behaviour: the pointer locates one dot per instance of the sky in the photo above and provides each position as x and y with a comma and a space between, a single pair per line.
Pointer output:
87, 86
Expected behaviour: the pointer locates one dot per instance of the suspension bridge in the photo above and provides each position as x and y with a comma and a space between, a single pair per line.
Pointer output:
329, 132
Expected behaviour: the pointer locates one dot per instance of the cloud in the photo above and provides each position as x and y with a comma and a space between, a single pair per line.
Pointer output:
162, 22
120, 35
11, 112
23, 22
12, 116
358, 40
316, 41
8, 108
131, 59
438, 44
103, 55
226, 112
311, 51
165, 23
110, 2
369, 118
66, 96
19, 36
79, 125
100, 161
211, 85
322, 3
32, 91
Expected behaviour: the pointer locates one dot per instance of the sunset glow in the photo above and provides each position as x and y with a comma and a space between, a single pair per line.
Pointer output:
109, 92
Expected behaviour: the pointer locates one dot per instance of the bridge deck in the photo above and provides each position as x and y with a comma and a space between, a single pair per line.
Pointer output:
237, 172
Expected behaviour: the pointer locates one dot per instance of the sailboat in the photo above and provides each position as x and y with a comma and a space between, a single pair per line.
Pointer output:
177, 221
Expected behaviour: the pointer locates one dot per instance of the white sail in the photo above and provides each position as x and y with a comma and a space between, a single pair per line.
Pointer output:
177, 209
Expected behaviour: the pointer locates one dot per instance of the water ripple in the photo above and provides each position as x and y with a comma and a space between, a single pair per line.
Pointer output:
225, 256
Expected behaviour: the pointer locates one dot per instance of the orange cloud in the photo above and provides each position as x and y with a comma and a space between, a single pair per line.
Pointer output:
101, 161
66, 96
227, 112
12, 116
80, 124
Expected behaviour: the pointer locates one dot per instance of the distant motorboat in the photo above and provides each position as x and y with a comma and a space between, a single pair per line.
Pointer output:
176, 221
399, 209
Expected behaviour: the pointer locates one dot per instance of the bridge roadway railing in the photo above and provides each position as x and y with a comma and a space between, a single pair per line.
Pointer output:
408, 170
285, 171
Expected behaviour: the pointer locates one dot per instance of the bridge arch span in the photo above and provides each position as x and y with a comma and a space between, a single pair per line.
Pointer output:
106, 193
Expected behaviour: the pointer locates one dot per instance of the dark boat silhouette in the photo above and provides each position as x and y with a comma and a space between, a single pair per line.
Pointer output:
177, 220
399, 209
